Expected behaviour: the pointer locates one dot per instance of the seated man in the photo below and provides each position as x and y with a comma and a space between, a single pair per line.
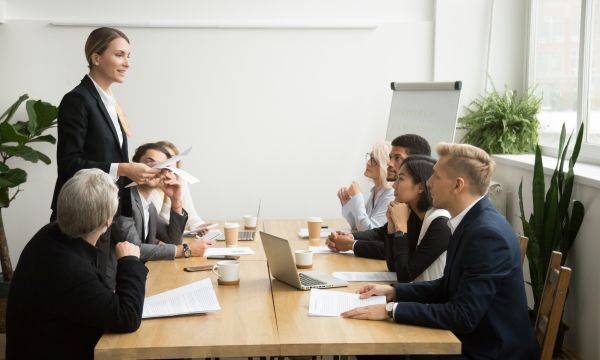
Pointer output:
481, 297
158, 239
402, 147
59, 304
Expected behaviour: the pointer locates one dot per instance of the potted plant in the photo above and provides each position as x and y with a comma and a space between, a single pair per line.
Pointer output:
503, 123
15, 140
555, 220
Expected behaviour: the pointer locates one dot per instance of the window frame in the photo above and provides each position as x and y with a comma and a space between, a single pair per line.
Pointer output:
590, 153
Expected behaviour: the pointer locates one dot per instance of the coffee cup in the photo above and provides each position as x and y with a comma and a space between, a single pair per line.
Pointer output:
231, 233
314, 228
228, 272
250, 222
304, 259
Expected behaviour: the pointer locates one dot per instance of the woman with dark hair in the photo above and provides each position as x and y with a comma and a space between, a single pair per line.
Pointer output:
92, 128
417, 240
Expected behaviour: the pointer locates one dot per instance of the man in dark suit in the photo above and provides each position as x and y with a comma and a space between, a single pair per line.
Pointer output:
481, 297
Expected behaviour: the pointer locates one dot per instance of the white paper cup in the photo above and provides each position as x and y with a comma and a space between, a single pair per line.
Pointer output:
228, 271
231, 233
250, 222
304, 259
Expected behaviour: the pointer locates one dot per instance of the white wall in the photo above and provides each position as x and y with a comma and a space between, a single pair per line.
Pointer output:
581, 311
274, 114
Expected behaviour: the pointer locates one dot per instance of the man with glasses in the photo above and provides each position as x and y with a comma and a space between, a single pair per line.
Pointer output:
370, 243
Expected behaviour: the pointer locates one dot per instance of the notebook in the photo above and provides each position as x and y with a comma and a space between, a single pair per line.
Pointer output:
280, 259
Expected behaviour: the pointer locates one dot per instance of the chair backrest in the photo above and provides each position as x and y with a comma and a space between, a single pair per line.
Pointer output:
523, 240
551, 305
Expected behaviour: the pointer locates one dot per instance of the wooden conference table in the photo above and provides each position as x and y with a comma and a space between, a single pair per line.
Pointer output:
264, 317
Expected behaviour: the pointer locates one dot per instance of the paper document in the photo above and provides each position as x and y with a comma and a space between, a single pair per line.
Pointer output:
189, 178
220, 251
195, 298
303, 233
333, 303
366, 276
326, 250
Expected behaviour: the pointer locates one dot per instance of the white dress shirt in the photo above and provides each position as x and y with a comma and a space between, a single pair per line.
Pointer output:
146, 207
455, 221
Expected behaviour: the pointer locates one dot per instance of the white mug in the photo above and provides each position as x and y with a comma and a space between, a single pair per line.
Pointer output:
304, 259
227, 270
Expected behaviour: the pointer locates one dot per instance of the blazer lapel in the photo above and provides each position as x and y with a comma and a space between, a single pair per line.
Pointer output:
456, 238
87, 82
138, 214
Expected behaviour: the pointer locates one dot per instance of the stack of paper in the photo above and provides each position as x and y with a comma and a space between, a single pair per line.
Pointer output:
195, 298
220, 251
303, 233
333, 303
366, 276
326, 250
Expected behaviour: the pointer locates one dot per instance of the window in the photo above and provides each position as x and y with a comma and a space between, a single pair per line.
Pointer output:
564, 67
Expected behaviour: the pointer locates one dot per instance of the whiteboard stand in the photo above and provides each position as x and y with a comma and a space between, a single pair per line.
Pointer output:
428, 109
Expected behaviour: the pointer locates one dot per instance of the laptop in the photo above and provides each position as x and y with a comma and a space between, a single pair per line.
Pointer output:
280, 259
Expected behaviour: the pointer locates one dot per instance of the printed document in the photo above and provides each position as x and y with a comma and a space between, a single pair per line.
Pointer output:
326, 250
333, 303
220, 251
195, 298
366, 276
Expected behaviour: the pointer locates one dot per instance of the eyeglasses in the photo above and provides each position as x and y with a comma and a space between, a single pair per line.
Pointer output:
372, 161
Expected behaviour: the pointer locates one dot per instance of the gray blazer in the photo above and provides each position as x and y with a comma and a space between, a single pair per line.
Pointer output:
163, 237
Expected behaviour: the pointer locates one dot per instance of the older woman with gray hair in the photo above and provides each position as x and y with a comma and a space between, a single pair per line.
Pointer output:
59, 303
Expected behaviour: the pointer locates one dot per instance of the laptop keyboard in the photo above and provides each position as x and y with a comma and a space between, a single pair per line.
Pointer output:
212, 234
309, 281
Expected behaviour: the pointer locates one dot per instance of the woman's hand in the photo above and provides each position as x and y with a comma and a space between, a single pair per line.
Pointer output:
398, 215
354, 189
343, 195
137, 172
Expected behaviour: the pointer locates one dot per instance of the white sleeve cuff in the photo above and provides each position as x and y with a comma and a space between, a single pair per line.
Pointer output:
114, 168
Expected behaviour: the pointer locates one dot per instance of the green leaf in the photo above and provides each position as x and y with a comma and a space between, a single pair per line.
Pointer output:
44, 138
3, 168
8, 134
12, 178
25, 152
8, 114
538, 188
45, 114
32, 116
4, 198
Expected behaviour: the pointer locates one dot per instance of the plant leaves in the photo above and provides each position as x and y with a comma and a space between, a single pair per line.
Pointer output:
46, 115
8, 114
44, 138
26, 153
4, 197
8, 134
32, 116
12, 178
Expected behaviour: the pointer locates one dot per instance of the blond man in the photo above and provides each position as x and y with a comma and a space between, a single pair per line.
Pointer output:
481, 297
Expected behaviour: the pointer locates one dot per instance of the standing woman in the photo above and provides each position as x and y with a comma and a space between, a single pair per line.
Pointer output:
92, 129
368, 215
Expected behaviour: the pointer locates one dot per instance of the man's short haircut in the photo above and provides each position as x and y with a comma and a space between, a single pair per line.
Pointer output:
470, 162
141, 150
414, 144
86, 202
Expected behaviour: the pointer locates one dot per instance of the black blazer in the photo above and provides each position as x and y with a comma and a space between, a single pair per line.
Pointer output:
481, 297
87, 137
59, 304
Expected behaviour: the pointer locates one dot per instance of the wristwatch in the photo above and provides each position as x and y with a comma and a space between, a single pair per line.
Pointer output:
187, 252
389, 307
